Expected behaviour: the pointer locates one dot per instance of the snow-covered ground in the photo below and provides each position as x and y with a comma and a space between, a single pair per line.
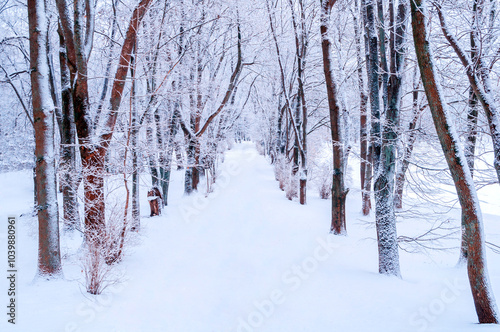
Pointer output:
246, 259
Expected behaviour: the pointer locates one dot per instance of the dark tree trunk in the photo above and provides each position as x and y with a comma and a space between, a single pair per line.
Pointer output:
170, 149
71, 177
134, 133
384, 182
191, 165
373, 78
476, 261
197, 166
49, 256
300, 53
369, 154
162, 159
470, 143
178, 156
339, 192
152, 156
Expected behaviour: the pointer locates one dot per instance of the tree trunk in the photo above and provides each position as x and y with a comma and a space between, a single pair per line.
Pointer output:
78, 39
71, 177
93, 187
49, 256
300, 53
133, 137
373, 78
363, 120
472, 113
162, 159
339, 192
191, 164
384, 75
482, 293
384, 182
170, 149
152, 156
178, 156
408, 149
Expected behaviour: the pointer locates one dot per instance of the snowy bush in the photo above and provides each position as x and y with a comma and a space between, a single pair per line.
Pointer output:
100, 253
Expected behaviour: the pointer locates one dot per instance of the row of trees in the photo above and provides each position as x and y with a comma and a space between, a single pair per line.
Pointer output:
166, 60
382, 67
166, 83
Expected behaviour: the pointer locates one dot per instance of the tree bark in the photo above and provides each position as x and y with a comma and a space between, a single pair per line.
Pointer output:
384, 75
133, 137
408, 149
472, 113
78, 41
300, 54
170, 149
71, 177
49, 256
384, 182
152, 156
339, 192
363, 120
484, 300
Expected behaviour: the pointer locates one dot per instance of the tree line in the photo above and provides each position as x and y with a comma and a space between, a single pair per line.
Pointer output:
111, 89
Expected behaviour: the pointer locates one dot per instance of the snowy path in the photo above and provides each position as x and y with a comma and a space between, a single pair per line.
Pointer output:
208, 259
247, 259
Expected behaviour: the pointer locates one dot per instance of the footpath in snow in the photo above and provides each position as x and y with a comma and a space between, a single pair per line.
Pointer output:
243, 259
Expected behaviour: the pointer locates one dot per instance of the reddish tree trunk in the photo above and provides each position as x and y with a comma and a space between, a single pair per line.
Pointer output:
339, 192
93, 157
49, 257
93, 187
484, 300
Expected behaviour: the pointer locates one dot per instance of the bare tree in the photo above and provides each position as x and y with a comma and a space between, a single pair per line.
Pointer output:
339, 192
479, 79
484, 300
364, 164
49, 256
384, 177
300, 32
78, 37
410, 144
